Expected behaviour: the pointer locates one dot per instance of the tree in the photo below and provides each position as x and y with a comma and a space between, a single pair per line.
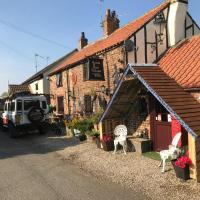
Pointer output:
4, 95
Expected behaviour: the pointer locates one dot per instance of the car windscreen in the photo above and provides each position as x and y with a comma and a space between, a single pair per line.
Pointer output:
31, 103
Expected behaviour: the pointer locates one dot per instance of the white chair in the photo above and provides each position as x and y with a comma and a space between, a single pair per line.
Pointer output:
172, 152
120, 133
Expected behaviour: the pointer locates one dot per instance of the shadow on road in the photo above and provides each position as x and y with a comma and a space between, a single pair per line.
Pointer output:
33, 144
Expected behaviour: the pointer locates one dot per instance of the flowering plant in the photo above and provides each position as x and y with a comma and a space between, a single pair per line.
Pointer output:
106, 138
183, 161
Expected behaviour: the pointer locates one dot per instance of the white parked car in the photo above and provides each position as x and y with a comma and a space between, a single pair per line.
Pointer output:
24, 113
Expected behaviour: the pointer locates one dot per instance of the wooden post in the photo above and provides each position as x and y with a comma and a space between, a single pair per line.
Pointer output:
100, 129
192, 155
194, 150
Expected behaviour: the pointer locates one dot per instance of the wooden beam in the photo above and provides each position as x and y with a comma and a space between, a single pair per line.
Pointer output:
192, 156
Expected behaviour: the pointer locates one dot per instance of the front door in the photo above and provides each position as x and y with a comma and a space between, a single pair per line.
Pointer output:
161, 130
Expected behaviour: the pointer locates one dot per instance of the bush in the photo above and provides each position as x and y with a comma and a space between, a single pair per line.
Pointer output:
92, 133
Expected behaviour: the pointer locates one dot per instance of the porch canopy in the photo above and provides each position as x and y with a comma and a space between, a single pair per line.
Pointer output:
166, 90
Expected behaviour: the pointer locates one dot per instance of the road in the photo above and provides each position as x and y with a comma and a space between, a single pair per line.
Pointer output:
32, 171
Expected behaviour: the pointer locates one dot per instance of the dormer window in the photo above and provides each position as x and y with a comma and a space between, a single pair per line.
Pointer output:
59, 79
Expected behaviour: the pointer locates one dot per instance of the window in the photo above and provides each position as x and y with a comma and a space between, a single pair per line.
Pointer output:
36, 86
85, 72
12, 106
31, 103
44, 105
162, 114
60, 103
88, 104
6, 107
59, 79
9, 106
19, 105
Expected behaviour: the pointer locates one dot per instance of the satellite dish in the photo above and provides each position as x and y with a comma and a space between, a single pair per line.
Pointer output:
130, 46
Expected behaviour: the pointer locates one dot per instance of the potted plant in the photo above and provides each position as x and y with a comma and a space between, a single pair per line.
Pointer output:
181, 167
107, 142
92, 135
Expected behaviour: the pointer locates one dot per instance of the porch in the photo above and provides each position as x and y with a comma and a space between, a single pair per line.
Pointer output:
147, 100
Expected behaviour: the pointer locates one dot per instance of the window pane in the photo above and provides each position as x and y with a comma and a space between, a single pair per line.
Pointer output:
13, 106
88, 104
44, 105
19, 105
31, 103
60, 101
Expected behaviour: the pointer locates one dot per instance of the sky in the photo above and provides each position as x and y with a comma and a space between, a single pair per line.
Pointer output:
61, 22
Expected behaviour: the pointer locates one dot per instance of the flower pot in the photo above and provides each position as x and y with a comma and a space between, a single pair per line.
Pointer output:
108, 146
183, 174
82, 137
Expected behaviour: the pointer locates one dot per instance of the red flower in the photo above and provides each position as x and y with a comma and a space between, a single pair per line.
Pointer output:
183, 161
106, 138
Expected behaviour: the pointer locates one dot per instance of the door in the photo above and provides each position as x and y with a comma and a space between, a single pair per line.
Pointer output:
162, 129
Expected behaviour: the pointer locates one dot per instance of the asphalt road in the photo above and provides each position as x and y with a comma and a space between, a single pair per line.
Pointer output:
32, 171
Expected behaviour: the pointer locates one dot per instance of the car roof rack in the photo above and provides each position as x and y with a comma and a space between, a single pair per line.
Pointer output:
23, 94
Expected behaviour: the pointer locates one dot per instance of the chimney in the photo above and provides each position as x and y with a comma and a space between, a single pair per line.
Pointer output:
83, 41
110, 23
176, 21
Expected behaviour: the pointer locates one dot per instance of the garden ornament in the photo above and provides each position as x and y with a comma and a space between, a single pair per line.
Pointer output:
172, 152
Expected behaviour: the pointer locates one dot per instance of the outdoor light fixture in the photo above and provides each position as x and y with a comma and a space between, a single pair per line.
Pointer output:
70, 94
104, 90
160, 24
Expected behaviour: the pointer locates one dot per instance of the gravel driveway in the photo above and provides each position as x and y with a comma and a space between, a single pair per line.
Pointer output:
131, 170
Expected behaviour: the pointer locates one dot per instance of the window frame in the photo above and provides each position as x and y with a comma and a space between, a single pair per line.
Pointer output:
59, 81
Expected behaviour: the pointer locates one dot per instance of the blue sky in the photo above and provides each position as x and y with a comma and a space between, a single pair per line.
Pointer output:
61, 21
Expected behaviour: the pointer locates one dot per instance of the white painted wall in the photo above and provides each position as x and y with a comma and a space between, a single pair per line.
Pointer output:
40, 87
176, 22
43, 84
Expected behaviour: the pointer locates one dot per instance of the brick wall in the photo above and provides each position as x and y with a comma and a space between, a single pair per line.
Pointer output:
58, 91
111, 60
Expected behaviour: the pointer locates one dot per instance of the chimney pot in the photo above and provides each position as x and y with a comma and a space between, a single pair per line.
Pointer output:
108, 12
110, 23
83, 41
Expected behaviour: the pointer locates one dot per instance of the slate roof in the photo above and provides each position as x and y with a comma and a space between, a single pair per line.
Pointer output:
182, 63
116, 38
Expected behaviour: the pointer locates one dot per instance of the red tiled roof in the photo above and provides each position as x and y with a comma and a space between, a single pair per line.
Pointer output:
182, 63
114, 39
179, 101
13, 89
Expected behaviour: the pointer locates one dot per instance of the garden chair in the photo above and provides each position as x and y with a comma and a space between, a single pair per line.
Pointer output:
120, 133
172, 152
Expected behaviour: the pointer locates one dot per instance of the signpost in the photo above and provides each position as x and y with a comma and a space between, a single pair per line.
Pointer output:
94, 70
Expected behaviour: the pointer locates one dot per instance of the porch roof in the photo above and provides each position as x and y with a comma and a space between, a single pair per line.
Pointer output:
166, 90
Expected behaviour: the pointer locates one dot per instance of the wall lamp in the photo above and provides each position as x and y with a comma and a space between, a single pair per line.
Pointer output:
104, 90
